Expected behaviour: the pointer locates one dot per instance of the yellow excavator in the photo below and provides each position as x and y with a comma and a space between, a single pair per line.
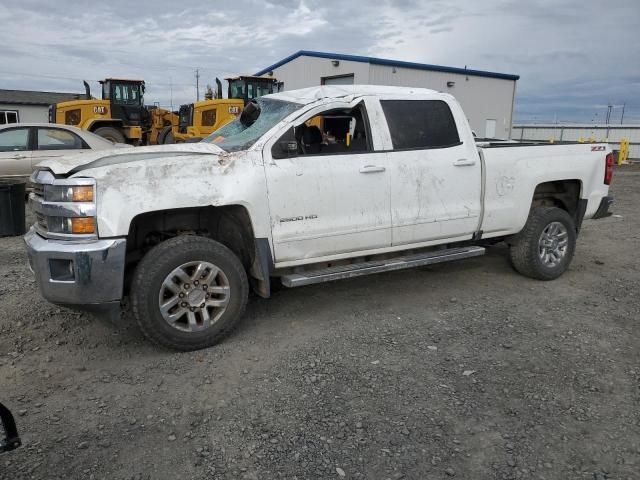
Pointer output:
199, 119
120, 116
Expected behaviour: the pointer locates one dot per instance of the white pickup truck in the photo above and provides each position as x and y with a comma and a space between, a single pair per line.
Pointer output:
306, 186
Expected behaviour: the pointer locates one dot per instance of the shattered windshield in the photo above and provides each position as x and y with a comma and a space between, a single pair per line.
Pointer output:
236, 136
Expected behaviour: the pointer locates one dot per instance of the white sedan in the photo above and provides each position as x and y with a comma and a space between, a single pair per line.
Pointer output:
24, 145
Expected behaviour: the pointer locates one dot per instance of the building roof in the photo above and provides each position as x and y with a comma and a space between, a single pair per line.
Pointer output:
391, 63
311, 94
28, 97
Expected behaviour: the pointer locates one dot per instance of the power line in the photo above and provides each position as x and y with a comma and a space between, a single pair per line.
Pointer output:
78, 79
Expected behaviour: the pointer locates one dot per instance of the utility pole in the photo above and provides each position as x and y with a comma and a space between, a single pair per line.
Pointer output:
622, 116
171, 93
197, 85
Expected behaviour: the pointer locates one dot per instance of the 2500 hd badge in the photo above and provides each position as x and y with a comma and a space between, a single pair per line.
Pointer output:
297, 219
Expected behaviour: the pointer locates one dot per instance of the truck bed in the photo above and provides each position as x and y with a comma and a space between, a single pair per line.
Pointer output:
512, 171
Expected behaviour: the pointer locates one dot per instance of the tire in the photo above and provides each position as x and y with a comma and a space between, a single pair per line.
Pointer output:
168, 138
110, 133
535, 256
188, 331
163, 135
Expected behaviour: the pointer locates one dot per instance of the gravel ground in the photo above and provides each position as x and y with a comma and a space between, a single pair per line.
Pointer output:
462, 370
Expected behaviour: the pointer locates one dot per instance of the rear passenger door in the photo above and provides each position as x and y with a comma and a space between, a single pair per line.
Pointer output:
54, 142
435, 178
15, 157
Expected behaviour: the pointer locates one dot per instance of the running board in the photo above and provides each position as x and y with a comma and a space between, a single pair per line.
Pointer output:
376, 266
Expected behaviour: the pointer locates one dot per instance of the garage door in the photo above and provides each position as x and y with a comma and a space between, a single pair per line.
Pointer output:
339, 80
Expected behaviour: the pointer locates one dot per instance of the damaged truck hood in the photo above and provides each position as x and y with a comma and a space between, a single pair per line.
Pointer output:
72, 164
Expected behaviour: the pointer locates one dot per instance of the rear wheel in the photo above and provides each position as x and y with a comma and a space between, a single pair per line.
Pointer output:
110, 133
544, 248
189, 292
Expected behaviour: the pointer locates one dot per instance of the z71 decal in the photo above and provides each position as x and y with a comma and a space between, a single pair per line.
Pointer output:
598, 148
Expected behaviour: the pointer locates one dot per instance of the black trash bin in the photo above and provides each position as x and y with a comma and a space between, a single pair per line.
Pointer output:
12, 214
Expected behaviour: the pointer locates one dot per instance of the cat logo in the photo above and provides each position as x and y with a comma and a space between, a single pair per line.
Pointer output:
234, 109
100, 109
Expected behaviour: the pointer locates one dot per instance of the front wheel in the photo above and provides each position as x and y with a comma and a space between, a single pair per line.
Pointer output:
110, 133
544, 248
189, 292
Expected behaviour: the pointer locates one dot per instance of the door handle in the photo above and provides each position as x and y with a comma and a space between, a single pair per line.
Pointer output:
464, 162
371, 169
18, 156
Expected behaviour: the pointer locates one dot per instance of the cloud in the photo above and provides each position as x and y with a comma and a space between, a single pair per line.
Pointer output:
574, 56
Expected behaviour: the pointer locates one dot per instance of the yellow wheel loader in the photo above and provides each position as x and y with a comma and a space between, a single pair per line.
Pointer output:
200, 119
120, 116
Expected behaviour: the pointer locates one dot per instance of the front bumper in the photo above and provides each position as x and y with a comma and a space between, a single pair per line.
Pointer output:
77, 273
603, 209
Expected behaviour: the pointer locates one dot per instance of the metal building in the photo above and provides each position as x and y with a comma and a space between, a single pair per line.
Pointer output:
30, 106
486, 97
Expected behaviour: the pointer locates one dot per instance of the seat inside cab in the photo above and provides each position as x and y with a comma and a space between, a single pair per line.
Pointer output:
333, 131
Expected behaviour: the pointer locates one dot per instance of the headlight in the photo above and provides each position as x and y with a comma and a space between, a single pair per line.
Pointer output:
73, 225
64, 208
64, 193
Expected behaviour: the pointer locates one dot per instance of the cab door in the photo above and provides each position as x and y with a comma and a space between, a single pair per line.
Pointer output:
330, 199
15, 154
436, 179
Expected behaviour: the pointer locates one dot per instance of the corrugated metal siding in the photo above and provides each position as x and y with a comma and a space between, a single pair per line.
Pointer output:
304, 72
572, 132
28, 113
481, 98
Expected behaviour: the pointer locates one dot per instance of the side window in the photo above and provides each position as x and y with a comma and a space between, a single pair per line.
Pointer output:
333, 132
58, 139
419, 124
8, 116
209, 118
14, 140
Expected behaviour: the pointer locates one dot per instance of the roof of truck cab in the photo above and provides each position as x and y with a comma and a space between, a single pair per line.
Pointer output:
312, 94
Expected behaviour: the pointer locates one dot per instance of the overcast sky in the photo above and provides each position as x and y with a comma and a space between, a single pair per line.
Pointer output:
574, 57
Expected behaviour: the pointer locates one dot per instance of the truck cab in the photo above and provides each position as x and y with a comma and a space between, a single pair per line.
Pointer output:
127, 100
247, 87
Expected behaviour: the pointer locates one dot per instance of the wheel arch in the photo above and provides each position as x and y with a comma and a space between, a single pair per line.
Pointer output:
231, 225
565, 194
